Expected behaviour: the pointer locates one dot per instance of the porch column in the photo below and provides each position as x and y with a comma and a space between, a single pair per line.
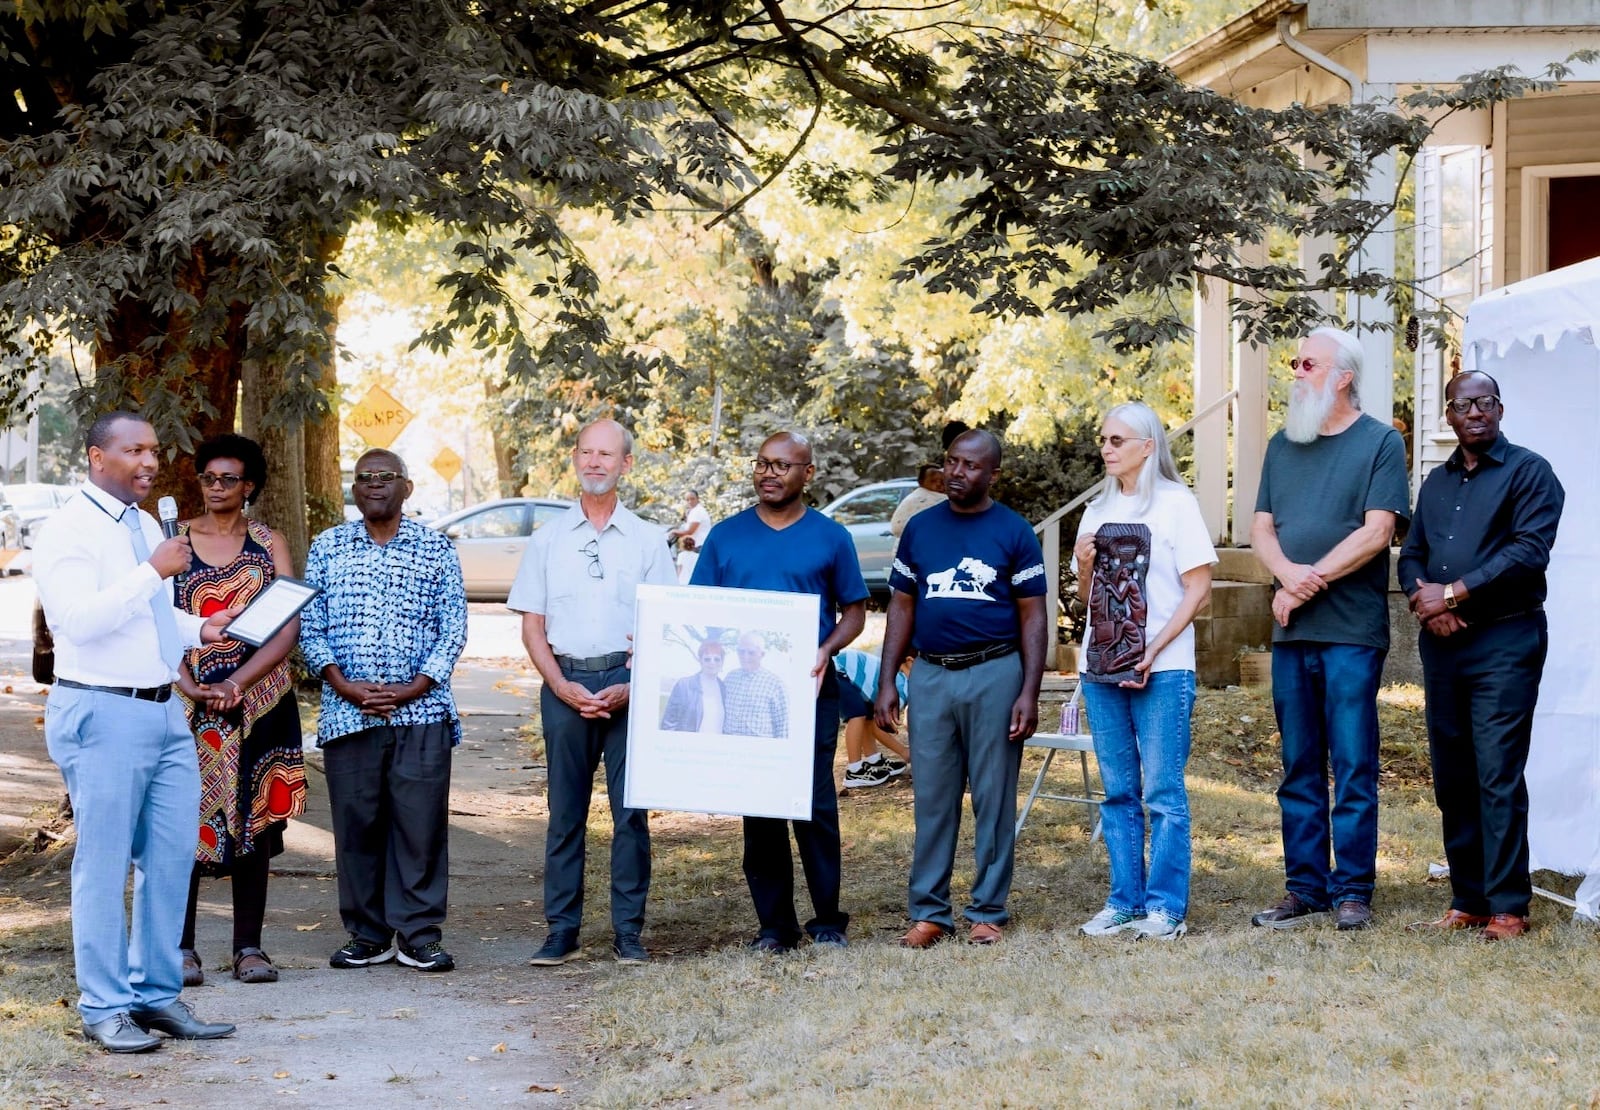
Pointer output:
1378, 253
1210, 382
1252, 378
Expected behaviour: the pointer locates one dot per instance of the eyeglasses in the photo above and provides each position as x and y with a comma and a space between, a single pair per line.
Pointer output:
377, 477
1305, 364
226, 481
1116, 442
1462, 405
592, 549
780, 467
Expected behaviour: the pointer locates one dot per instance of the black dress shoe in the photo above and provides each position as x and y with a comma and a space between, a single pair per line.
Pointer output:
175, 1019
118, 1033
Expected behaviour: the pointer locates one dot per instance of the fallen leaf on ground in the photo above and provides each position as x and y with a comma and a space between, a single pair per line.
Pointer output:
243, 1060
543, 1090
501, 1047
308, 928
280, 1075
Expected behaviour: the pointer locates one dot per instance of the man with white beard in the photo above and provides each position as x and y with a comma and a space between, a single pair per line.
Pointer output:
575, 590
1332, 485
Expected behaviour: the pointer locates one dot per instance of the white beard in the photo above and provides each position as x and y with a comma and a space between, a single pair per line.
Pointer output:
1309, 409
594, 487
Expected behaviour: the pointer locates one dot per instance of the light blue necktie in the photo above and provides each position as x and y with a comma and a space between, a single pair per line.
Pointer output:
160, 605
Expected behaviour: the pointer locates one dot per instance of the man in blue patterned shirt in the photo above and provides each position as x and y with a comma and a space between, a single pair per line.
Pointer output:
384, 634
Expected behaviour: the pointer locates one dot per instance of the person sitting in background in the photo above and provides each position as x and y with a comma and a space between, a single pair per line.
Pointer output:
867, 765
240, 704
688, 556
1144, 518
696, 523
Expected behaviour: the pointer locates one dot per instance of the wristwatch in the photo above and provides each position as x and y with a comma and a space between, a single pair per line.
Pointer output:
1450, 596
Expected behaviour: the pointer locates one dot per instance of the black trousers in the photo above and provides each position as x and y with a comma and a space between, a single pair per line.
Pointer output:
768, 865
389, 792
574, 746
1482, 685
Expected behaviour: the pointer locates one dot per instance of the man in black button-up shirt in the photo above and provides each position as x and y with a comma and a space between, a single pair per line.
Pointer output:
1474, 568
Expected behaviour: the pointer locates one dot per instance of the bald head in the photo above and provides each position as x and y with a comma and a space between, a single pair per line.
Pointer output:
801, 446
381, 459
979, 443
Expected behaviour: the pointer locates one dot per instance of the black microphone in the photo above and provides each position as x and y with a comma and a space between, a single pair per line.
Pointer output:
167, 510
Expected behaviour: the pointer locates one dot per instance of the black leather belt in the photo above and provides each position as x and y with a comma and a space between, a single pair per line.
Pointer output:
143, 693
593, 662
961, 660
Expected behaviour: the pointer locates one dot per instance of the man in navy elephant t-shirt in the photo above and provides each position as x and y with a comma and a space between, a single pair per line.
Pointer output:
969, 585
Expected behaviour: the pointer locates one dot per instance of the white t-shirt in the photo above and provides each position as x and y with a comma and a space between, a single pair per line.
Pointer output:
1179, 542
686, 562
696, 514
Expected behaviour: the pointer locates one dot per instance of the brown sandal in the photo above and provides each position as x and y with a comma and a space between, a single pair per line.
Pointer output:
251, 965
193, 976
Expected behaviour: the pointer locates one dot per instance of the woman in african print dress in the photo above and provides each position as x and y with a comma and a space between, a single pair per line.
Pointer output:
241, 705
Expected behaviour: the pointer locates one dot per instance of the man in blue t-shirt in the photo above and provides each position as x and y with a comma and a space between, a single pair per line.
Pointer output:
780, 544
1332, 485
969, 585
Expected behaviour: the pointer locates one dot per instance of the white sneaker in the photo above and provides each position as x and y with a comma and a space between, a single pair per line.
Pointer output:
1159, 926
1109, 922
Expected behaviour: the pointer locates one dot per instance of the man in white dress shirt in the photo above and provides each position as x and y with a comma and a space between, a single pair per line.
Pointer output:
121, 740
575, 590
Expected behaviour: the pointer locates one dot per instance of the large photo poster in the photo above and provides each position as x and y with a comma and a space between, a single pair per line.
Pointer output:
722, 705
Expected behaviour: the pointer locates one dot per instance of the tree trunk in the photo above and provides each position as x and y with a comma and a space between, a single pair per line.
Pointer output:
507, 480
324, 482
187, 398
282, 505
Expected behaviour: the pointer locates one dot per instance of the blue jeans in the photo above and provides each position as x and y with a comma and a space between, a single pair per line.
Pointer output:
1141, 741
135, 786
1326, 700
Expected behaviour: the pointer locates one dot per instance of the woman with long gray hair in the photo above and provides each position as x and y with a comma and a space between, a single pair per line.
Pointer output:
1144, 569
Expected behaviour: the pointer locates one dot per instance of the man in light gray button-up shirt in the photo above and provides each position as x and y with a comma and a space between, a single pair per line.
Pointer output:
575, 590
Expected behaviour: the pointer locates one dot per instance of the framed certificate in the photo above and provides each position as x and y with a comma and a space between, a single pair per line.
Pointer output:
272, 608
721, 716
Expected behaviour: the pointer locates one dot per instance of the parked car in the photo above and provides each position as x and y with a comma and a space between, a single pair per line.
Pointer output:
35, 503
490, 539
865, 513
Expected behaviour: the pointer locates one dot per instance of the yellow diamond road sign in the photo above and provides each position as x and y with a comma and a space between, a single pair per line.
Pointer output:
448, 464
378, 418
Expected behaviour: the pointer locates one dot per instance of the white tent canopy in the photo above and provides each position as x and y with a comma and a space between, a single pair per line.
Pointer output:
1538, 339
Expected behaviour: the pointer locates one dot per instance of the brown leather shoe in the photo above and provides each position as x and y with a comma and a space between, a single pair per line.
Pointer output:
984, 932
1452, 920
1505, 926
923, 934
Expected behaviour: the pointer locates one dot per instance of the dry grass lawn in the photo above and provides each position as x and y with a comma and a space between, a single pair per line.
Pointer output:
1230, 1015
